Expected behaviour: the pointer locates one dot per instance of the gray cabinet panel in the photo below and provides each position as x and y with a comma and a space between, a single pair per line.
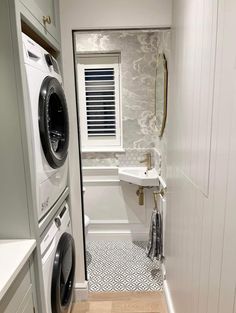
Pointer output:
19, 297
14, 221
27, 305
41, 9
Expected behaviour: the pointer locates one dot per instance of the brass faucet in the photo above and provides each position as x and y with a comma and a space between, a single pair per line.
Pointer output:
148, 161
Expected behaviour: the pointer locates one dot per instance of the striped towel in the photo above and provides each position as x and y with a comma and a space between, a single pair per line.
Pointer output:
155, 244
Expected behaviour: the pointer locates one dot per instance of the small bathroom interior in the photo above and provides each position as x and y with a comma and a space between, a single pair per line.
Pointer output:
117, 162
122, 87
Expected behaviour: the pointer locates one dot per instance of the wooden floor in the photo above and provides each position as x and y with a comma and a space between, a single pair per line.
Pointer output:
122, 302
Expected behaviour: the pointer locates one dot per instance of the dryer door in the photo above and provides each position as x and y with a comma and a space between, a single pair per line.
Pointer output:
53, 122
63, 274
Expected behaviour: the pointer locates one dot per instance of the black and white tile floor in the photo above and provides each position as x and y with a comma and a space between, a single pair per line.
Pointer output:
121, 266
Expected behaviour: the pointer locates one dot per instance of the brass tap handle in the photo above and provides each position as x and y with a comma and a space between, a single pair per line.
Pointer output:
148, 155
144, 160
147, 160
46, 19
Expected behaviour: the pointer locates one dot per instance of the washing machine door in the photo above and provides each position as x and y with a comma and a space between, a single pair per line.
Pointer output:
53, 122
63, 274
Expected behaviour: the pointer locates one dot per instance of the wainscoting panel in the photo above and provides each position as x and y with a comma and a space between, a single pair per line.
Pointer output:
194, 45
112, 206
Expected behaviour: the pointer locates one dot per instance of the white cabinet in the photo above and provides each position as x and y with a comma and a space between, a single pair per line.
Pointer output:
19, 297
46, 13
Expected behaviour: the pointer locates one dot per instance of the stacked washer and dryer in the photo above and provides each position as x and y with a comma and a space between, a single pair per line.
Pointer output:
50, 140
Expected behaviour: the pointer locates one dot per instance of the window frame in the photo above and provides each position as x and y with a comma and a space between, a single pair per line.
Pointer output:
99, 143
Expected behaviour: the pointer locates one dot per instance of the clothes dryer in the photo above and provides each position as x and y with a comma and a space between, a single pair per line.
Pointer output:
49, 124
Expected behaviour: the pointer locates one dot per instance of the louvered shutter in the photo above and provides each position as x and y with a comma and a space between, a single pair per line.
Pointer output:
99, 101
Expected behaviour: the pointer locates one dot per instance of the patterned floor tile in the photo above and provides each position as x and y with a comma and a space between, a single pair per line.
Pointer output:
121, 266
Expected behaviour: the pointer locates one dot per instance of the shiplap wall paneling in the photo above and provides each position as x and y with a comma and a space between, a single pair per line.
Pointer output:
201, 221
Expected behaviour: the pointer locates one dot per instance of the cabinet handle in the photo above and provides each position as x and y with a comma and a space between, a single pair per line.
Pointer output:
46, 19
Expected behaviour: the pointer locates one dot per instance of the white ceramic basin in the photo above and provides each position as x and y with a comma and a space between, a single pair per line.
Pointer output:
139, 176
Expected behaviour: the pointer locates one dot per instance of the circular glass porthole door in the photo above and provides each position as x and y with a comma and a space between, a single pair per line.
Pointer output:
63, 274
53, 122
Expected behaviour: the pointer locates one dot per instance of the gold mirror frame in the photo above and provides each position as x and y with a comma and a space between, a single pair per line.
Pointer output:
161, 62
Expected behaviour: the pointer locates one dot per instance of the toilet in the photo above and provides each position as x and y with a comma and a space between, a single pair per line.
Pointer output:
86, 225
86, 222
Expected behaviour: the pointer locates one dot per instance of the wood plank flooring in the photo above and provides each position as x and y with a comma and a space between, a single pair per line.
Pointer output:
122, 302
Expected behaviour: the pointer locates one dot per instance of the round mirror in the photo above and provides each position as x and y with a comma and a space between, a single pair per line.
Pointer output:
161, 93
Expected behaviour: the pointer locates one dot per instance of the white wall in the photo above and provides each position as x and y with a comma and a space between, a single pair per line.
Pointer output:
74, 15
201, 216
112, 13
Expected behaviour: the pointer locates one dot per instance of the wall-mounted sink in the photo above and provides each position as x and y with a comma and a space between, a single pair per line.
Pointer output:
139, 176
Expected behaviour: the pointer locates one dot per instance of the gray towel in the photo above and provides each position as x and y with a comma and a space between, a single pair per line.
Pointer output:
154, 246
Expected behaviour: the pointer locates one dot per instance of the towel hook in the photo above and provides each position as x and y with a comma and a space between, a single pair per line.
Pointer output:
156, 193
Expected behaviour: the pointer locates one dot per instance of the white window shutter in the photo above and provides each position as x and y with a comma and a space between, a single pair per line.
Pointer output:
98, 81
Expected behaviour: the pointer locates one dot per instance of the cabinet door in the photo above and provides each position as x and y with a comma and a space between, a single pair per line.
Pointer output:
29, 308
27, 305
19, 297
47, 14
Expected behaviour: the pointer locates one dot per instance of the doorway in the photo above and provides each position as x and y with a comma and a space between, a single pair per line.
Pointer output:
116, 74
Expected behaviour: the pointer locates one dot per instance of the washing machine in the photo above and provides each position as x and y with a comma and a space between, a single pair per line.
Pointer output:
58, 262
49, 123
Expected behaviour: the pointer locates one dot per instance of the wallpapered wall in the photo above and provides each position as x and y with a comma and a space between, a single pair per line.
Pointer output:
139, 51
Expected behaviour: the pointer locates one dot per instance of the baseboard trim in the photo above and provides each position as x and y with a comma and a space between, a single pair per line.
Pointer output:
104, 223
163, 270
81, 291
113, 236
168, 298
